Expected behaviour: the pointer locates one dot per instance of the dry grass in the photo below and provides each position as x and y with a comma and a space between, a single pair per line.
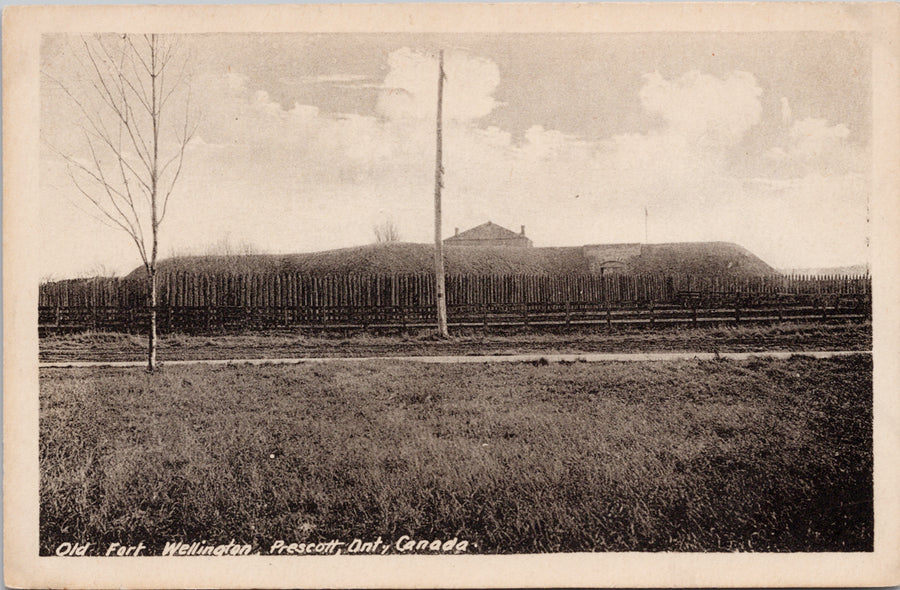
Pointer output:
392, 257
761, 455
293, 343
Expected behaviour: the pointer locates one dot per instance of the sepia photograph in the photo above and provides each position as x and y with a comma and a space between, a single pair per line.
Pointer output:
410, 293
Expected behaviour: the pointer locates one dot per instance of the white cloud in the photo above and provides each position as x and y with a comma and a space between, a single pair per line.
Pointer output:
786, 113
350, 170
235, 82
297, 179
705, 108
338, 79
410, 87
818, 219
814, 137
812, 145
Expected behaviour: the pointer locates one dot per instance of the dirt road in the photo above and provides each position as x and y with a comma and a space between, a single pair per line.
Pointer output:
512, 358
785, 337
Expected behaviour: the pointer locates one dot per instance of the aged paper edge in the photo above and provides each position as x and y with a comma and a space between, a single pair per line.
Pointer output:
22, 29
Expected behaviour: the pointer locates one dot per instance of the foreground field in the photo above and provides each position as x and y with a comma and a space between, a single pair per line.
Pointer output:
762, 455
747, 338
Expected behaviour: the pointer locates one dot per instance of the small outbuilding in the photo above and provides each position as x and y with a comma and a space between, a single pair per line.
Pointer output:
489, 234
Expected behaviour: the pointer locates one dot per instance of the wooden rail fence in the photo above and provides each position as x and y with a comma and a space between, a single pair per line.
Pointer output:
199, 302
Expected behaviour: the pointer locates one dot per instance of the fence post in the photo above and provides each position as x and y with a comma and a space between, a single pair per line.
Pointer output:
568, 311
484, 315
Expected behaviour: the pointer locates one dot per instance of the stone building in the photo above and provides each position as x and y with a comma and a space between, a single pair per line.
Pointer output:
610, 258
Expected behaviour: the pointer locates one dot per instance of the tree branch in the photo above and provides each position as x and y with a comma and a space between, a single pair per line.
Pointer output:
130, 169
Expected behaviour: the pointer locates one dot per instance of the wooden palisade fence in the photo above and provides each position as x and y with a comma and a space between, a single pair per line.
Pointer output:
202, 302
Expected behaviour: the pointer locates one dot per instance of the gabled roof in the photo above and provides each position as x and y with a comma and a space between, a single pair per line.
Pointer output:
486, 231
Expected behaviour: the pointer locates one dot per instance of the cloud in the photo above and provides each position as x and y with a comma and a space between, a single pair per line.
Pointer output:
811, 138
704, 108
786, 114
817, 218
338, 79
297, 178
410, 87
353, 169
813, 145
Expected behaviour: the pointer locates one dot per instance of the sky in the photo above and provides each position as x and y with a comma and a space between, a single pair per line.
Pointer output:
306, 142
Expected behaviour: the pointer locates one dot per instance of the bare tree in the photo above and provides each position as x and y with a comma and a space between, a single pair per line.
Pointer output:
99, 271
227, 247
386, 231
133, 101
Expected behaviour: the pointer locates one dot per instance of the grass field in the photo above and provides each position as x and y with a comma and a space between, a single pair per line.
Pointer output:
760, 455
281, 344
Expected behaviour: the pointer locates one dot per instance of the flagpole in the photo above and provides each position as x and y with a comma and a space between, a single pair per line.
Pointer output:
646, 232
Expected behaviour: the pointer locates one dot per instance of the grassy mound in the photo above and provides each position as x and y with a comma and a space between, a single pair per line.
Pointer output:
698, 258
711, 258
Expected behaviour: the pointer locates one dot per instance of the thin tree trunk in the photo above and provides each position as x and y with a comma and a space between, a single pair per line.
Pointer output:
154, 214
119, 176
151, 336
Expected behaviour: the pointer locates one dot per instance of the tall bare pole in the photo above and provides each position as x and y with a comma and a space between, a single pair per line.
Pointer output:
439, 296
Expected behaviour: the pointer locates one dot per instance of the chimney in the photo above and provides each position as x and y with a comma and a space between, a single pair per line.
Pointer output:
455, 231
523, 230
